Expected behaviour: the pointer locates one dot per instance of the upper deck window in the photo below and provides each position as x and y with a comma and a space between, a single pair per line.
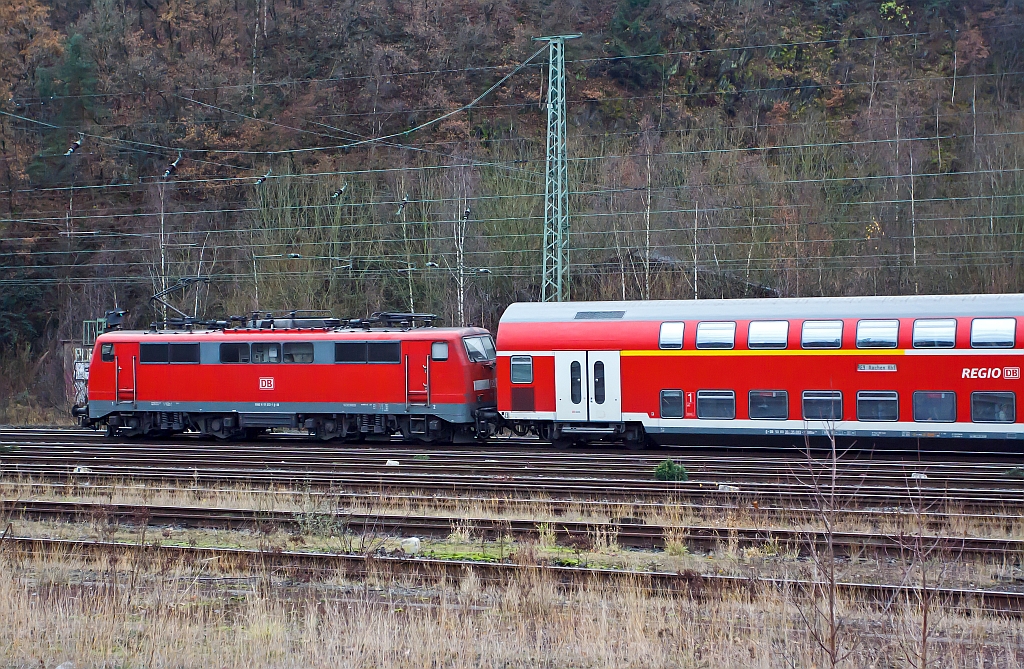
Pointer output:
935, 333
522, 369
671, 335
993, 332
480, 348
767, 334
822, 334
716, 335
877, 334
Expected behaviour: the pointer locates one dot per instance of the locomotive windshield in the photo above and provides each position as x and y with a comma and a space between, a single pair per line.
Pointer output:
480, 348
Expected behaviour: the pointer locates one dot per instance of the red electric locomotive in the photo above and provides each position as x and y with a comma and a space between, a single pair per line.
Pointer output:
672, 371
363, 378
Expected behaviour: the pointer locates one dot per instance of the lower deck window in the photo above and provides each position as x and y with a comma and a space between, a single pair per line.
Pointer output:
878, 405
671, 403
716, 404
769, 404
823, 405
989, 407
932, 406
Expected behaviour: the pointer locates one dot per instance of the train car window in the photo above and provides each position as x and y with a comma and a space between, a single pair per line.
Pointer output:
184, 353
877, 334
150, 353
989, 407
350, 351
767, 334
439, 351
576, 382
768, 404
480, 348
716, 335
716, 404
297, 351
234, 353
671, 335
522, 369
671, 403
266, 353
822, 334
107, 353
878, 405
823, 405
993, 332
384, 351
934, 406
935, 333
599, 382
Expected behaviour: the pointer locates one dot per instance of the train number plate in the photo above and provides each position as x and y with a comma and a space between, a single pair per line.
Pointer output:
876, 368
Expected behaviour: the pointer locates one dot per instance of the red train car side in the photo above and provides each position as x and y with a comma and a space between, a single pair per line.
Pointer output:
431, 384
874, 367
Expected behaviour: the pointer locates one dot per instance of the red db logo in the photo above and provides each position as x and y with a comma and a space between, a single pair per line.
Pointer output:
267, 383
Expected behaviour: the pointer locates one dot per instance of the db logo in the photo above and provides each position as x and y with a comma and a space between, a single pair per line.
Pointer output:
1011, 372
990, 373
267, 383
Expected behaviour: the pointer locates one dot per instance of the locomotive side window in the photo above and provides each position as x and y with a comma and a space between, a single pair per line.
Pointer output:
823, 405
877, 334
187, 353
935, 333
576, 382
599, 382
822, 334
671, 403
768, 404
350, 351
297, 351
878, 405
993, 407
767, 334
384, 351
522, 369
716, 335
439, 351
107, 353
934, 406
234, 353
671, 335
480, 348
266, 353
720, 404
150, 353
993, 332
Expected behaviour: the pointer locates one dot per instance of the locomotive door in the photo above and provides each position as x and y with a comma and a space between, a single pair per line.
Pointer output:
605, 388
571, 385
126, 359
417, 372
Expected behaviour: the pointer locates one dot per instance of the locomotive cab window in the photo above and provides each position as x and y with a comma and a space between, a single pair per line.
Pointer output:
932, 406
234, 353
480, 348
768, 404
107, 353
671, 403
716, 404
935, 333
716, 335
993, 332
384, 351
875, 405
822, 334
153, 353
877, 334
989, 407
823, 405
266, 353
671, 335
300, 352
767, 334
521, 368
439, 351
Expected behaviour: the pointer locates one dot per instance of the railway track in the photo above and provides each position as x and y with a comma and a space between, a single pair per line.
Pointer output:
627, 532
1003, 602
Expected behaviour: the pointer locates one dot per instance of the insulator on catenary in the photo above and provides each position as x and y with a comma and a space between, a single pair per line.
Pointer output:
173, 167
262, 178
336, 194
74, 146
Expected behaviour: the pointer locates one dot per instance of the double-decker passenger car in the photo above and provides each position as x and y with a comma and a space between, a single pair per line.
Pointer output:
426, 383
866, 367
